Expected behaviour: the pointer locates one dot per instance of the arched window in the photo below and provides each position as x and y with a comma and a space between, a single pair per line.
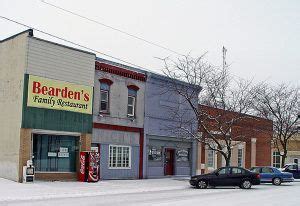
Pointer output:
132, 94
104, 95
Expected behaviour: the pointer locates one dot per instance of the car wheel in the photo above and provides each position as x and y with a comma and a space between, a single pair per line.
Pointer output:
276, 181
201, 184
246, 184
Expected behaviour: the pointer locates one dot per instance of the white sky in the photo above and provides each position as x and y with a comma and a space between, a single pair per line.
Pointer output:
262, 37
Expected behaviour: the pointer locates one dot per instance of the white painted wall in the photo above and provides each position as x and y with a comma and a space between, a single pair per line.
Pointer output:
12, 65
54, 61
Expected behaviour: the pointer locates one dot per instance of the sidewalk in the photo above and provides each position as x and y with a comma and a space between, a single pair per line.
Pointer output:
39, 190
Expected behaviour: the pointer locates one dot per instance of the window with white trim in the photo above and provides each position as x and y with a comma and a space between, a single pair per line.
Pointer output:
276, 159
131, 102
240, 157
211, 158
104, 97
119, 157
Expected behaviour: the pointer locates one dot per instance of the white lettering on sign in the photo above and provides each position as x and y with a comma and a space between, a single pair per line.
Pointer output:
52, 154
63, 154
63, 149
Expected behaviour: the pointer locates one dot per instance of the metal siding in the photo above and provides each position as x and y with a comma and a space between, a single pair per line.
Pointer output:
58, 62
106, 173
156, 168
57, 120
159, 107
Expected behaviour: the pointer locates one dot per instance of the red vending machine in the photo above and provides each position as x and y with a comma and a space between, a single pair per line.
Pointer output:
89, 169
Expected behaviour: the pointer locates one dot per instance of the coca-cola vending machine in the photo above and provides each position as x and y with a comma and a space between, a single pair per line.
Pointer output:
89, 169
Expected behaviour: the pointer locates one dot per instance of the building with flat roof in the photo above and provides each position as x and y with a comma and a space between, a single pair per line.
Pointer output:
46, 101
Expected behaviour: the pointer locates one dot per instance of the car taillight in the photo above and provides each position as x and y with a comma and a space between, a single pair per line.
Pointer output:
258, 176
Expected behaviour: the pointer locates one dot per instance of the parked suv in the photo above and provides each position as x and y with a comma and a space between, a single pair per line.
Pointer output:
292, 168
227, 176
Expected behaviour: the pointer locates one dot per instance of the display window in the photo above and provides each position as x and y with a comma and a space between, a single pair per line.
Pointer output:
154, 153
55, 153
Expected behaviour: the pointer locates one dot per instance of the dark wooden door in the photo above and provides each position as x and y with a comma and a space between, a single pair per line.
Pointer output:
169, 161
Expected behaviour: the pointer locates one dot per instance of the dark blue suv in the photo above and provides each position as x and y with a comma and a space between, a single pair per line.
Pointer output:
292, 168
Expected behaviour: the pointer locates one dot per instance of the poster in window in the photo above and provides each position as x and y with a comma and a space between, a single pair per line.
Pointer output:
154, 154
182, 155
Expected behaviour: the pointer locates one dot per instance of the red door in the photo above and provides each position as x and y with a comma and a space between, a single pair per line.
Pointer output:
169, 161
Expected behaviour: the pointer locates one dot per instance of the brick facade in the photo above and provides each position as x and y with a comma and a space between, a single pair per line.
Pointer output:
257, 135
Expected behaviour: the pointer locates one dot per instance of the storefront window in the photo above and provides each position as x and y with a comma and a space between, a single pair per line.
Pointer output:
55, 153
154, 153
182, 155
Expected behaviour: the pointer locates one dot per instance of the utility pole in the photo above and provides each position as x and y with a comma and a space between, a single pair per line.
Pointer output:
224, 50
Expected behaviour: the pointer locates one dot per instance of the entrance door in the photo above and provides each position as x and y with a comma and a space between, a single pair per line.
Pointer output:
169, 161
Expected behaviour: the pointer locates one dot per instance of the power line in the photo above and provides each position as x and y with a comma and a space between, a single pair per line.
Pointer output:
71, 42
112, 28
82, 46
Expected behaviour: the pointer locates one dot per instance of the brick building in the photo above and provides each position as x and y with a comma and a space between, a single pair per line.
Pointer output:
252, 149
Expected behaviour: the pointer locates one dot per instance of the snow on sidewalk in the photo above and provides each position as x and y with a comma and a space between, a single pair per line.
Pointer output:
39, 190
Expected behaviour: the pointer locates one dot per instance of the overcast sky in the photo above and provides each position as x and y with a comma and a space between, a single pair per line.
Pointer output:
262, 37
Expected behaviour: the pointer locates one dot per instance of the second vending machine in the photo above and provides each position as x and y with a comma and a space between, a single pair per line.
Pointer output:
89, 169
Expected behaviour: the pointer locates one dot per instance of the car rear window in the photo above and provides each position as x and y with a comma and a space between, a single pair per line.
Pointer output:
266, 170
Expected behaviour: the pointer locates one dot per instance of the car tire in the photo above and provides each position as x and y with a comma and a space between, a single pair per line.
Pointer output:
246, 184
201, 184
276, 181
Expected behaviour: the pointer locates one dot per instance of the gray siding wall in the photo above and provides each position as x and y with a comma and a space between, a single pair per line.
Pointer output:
115, 137
156, 168
160, 105
50, 60
106, 173
107, 137
118, 101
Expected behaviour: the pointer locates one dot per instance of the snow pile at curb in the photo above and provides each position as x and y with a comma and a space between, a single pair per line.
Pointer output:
12, 191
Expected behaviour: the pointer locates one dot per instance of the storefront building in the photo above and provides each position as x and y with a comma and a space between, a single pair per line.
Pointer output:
118, 120
252, 149
46, 101
166, 153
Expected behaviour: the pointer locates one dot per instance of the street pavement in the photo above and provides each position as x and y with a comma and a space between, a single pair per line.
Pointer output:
168, 191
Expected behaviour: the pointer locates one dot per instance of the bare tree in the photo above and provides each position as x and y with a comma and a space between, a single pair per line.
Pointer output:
281, 104
231, 99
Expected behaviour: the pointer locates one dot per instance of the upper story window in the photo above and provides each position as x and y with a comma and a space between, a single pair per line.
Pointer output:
132, 94
131, 103
104, 95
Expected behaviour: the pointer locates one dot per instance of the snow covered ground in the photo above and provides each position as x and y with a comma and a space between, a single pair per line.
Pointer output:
143, 192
